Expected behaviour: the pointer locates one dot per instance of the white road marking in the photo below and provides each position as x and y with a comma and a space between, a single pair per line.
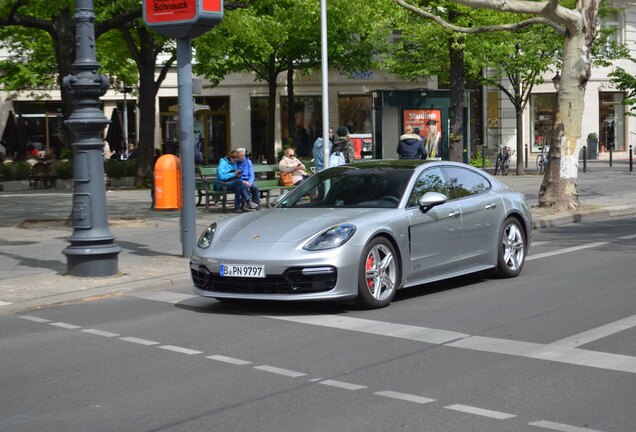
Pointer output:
100, 333
179, 349
342, 385
597, 333
628, 237
279, 371
4, 303
34, 319
163, 296
138, 341
401, 331
404, 396
230, 360
480, 411
539, 243
565, 250
560, 427
575, 356
65, 325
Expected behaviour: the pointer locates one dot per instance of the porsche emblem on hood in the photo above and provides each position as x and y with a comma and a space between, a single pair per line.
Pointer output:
256, 237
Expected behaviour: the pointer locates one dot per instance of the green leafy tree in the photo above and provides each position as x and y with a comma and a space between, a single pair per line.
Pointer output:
579, 25
273, 36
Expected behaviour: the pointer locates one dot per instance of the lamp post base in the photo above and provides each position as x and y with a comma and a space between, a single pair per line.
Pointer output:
92, 261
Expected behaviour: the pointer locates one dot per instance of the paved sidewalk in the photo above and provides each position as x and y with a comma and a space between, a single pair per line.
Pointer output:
33, 234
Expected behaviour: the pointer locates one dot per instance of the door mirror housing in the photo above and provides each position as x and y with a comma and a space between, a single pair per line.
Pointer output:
430, 200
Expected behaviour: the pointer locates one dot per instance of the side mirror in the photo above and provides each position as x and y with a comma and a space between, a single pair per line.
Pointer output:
430, 200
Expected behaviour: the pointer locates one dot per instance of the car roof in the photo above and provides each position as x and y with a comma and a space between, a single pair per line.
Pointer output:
389, 163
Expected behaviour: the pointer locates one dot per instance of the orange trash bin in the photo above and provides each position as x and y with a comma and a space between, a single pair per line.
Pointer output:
168, 183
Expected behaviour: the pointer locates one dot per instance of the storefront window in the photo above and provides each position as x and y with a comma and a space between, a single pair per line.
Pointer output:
259, 125
211, 130
308, 116
544, 108
611, 122
354, 112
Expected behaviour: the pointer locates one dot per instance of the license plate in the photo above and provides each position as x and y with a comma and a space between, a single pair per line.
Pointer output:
235, 270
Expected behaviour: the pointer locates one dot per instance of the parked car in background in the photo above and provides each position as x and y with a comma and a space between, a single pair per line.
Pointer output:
362, 231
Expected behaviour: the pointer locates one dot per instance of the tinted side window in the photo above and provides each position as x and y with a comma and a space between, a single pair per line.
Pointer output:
431, 180
464, 182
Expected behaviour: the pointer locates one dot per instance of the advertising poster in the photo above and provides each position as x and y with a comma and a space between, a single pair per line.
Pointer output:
428, 121
165, 11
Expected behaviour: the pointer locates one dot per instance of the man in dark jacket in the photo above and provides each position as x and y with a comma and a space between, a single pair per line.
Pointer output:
411, 145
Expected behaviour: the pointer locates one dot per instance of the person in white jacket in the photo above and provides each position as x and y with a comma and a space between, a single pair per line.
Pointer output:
289, 163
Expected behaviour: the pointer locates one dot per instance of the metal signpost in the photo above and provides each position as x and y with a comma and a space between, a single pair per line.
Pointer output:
184, 20
92, 251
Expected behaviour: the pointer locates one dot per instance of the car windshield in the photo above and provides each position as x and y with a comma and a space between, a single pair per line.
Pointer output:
350, 186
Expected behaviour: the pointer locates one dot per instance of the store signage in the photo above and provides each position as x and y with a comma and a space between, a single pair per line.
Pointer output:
182, 18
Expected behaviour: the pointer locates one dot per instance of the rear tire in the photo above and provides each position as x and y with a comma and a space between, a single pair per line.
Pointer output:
378, 276
505, 166
512, 249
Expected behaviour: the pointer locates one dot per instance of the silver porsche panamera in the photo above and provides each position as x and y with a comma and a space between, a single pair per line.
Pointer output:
362, 231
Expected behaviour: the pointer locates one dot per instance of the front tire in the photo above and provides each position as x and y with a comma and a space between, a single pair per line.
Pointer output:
379, 274
512, 249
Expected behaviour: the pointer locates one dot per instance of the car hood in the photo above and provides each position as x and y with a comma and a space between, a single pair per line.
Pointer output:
289, 224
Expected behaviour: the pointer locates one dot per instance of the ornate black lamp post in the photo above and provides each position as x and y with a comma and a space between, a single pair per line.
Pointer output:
92, 251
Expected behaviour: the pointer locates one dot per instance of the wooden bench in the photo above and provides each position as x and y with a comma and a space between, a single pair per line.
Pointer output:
209, 187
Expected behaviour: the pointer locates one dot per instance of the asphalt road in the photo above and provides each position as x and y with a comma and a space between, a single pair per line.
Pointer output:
553, 349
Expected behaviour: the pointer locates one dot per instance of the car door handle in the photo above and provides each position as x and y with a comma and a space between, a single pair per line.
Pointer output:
491, 206
454, 213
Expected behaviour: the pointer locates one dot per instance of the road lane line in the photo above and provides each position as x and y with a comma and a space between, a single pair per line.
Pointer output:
279, 371
179, 349
342, 385
628, 237
34, 319
230, 360
382, 328
565, 250
101, 333
404, 397
597, 333
138, 341
163, 296
575, 356
65, 325
480, 411
4, 303
560, 427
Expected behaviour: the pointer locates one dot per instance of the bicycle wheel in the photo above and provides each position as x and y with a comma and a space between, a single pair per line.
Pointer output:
540, 164
497, 164
505, 166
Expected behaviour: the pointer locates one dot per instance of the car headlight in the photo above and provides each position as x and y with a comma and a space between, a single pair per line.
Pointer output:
332, 238
205, 240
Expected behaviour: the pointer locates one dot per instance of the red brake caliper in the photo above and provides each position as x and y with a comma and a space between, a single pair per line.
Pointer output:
369, 267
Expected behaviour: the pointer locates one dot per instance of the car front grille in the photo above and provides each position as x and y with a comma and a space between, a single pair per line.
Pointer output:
292, 281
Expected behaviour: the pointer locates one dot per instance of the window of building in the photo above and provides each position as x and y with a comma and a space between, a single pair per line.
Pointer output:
308, 123
42, 124
259, 124
211, 127
544, 107
611, 122
354, 112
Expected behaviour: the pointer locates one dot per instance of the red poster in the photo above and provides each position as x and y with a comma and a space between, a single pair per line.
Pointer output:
429, 122
166, 11
212, 6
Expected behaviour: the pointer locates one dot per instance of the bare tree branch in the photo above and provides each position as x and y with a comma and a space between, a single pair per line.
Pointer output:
484, 29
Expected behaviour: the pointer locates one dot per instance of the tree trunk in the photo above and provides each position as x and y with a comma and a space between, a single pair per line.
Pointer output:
63, 38
520, 150
291, 111
558, 189
271, 108
457, 78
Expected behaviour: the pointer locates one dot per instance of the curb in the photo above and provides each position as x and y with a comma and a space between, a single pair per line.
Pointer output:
594, 215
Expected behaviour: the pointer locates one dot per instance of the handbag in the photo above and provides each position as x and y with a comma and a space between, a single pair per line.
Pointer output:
285, 179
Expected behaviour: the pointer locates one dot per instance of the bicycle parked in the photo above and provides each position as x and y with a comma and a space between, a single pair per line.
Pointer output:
503, 160
542, 160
